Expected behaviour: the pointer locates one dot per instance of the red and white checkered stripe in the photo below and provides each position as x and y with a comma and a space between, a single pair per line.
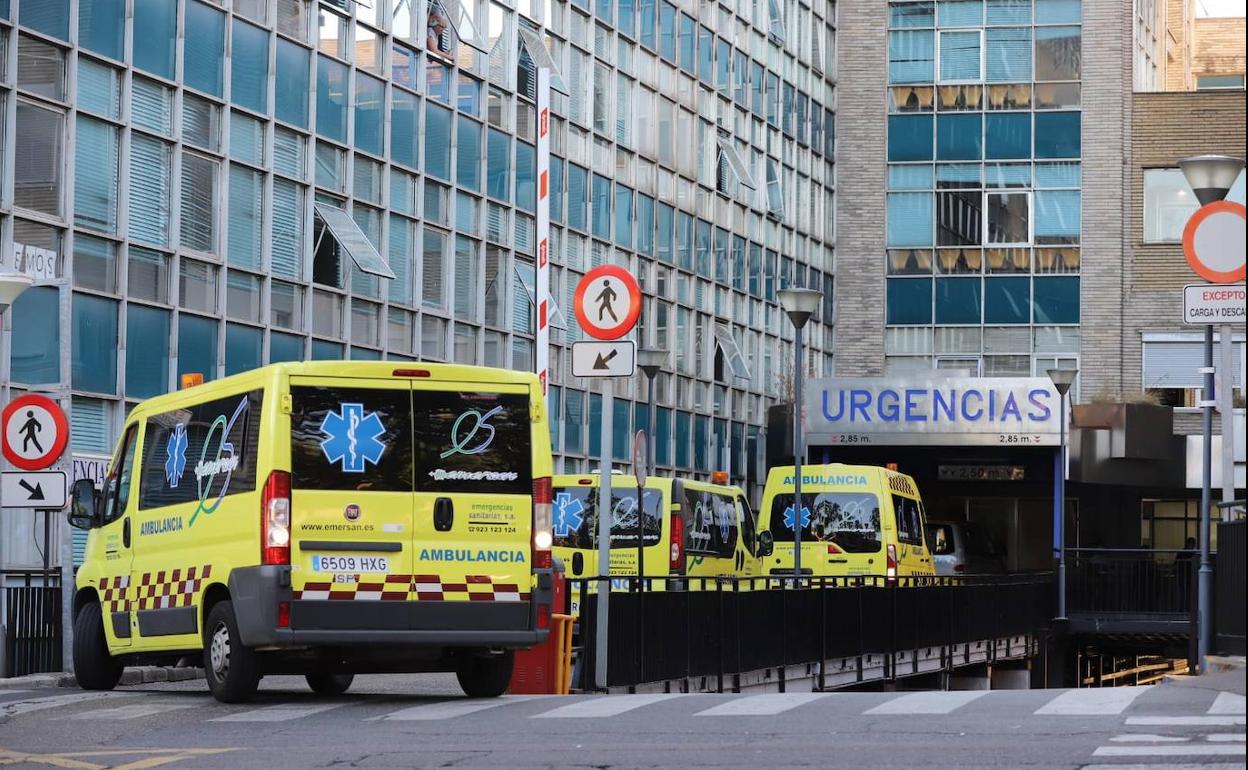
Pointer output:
113, 592
477, 588
170, 588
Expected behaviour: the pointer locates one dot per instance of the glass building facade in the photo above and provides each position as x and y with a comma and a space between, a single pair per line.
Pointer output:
984, 188
194, 178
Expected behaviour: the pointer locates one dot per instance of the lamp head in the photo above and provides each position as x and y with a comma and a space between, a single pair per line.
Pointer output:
799, 304
651, 361
1062, 379
11, 285
1211, 176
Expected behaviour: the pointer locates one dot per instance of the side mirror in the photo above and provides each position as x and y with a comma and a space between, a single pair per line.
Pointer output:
766, 543
82, 505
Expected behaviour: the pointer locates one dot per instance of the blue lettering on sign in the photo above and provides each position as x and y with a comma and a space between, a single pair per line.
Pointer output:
472, 555
354, 438
937, 405
568, 514
789, 517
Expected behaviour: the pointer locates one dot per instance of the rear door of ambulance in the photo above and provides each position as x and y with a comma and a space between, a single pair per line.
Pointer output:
472, 536
574, 524
351, 499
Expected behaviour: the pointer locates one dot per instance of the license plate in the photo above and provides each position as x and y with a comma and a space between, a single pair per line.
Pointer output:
350, 564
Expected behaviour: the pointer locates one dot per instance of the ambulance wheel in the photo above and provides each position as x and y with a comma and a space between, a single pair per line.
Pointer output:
94, 667
329, 684
232, 669
485, 676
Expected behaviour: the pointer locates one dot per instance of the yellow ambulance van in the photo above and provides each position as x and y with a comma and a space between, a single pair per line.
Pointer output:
855, 520
690, 528
323, 518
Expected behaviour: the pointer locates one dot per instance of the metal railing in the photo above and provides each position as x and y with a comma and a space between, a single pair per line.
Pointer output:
1131, 581
671, 628
1228, 592
32, 621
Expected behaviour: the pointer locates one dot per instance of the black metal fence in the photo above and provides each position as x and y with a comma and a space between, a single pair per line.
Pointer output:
1229, 598
1130, 581
32, 621
669, 629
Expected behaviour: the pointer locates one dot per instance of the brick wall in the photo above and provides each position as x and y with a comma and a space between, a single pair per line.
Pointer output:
1179, 33
1162, 132
861, 172
1219, 47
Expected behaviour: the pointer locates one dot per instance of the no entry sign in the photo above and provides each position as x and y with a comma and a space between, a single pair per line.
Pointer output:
1213, 242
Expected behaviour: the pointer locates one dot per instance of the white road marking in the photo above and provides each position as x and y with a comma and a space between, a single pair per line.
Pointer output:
449, 709
605, 706
1195, 750
1091, 702
1208, 721
1146, 738
26, 706
762, 705
936, 702
132, 711
1225, 737
281, 712
1227, 703
1149, 766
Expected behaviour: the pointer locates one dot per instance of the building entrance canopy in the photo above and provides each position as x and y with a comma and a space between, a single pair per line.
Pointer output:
933, 410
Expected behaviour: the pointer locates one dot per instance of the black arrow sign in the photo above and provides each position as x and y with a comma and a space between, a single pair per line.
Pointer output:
35, 492
602, 362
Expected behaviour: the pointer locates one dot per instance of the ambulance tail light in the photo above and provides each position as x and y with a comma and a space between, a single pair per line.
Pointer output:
677, 546
543, 504
890, 569
543, 616
275, 519
283, 614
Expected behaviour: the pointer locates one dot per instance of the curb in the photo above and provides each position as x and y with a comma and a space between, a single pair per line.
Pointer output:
132, 675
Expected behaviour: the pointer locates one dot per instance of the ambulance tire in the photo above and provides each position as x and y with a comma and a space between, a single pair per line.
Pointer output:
231, 668
94, 667
485, 676
329, 684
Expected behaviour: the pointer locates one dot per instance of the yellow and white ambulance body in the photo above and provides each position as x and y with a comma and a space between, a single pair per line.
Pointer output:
326, 518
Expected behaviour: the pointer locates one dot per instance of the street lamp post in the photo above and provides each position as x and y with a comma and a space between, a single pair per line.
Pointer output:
1211, 178
651, 362
1062, 380
799, 304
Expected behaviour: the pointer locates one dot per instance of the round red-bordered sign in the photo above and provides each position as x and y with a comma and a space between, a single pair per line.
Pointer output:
1213, 242
33, 432
614, 302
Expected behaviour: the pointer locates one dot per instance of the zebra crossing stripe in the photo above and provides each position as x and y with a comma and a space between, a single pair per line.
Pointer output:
936, 702
132, 711
1227, 703
449, 709
763, 705
278, 713
605, 706
1205, 721
1193, 750
17, 708
1091, 702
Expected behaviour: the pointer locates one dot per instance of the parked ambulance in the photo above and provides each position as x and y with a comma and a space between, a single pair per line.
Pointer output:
322, 518
855, 520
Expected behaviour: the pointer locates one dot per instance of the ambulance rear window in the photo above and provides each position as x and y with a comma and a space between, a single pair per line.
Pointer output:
575, 522
472, 442
351, 439
848, 520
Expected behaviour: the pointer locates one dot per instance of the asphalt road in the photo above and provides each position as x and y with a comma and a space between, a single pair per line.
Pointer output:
422, 721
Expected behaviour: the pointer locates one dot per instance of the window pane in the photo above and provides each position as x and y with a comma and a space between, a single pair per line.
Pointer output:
602, 206
289, 150
437, 139
1009, 11
95, 263
95, 175
286, 305
148, 274
37, 171
285, 347
909, 137
959, 218
155, 32
287, 222
909, 300
1057, 11
1007, 135
498, 171
326, 351
147, 351
203, 54
1168, 204
201, 123
370, 101
911, 56
150, 189
959, 13
199, 194
468, 154
151, 106
959, 137
1057, 300
526, 170
1058, 52
910, 219
244, 226
94, 363
197, 346
331, 98
249, 67
35, 359
912, 14
959, 55
1057, 216
291, 83
1006, 300
101, 26
51, 17
1008, 55
197, 286
242, 348
99, 88
957, 300
404, 128
1008, 218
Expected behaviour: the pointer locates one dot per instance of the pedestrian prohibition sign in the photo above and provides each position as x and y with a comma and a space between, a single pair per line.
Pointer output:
33, 431
607, 302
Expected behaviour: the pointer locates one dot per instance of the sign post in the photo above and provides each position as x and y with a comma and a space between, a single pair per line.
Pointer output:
1213, 243
607, 303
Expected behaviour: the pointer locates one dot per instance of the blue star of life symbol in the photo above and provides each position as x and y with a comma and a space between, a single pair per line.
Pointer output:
353, 438
724, 514
788, 517
568, 516
175, 455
